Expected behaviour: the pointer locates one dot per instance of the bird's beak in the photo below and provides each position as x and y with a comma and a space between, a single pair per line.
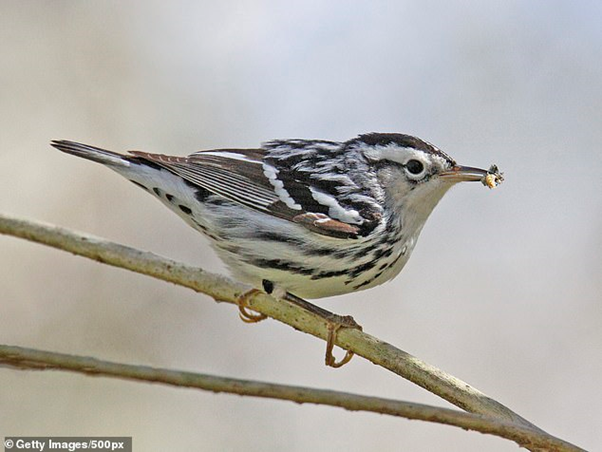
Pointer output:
464, 174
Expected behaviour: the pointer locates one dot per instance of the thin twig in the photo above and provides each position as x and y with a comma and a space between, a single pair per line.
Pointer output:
26, 358
223, 289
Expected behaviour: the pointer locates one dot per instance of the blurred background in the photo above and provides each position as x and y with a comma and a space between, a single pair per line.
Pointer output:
504, 287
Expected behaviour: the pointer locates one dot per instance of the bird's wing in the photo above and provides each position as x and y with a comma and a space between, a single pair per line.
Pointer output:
293, 188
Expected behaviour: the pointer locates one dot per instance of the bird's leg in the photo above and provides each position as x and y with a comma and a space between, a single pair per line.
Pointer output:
334, 321
243, 311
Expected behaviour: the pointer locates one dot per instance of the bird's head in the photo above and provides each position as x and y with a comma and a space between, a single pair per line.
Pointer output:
413, 174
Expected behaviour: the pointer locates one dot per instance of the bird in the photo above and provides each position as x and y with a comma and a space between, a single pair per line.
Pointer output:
300, 218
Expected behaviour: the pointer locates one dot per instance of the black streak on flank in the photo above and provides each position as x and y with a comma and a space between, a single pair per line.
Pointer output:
283, 265
383, 252
185, 209
321, 252
330, 274
269, 236
357, 271
369, 281
365, 283
157, 191
169, 197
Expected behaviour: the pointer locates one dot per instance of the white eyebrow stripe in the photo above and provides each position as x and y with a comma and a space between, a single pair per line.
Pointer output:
335, 210
272, 174
396, 154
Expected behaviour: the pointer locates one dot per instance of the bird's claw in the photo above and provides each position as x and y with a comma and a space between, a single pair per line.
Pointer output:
334, 324
243, 311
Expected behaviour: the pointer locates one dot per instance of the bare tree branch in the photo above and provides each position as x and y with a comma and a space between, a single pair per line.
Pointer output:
223, 289
26, 358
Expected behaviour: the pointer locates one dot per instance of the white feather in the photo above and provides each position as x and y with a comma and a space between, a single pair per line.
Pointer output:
272, 174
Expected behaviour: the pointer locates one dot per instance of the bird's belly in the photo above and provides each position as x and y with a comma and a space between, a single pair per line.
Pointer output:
310, 276
297, 260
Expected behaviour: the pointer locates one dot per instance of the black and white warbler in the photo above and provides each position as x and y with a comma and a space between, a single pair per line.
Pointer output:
304, 218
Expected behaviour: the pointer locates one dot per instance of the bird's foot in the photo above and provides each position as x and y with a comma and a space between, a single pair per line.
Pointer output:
334, 322
243, 310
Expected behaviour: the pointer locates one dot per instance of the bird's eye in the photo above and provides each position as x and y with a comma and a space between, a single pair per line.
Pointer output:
415, 167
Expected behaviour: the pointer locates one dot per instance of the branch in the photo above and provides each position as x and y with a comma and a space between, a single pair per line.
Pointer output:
26, 358
220, 288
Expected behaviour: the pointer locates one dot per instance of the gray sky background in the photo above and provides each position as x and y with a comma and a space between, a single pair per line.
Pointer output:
503, 289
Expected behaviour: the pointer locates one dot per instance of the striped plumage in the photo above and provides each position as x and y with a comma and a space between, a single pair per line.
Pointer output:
314, 218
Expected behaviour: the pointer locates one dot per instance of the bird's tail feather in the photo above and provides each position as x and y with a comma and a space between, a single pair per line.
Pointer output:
91, 153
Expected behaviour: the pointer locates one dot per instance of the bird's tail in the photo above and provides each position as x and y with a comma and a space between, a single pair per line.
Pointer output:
92, 153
